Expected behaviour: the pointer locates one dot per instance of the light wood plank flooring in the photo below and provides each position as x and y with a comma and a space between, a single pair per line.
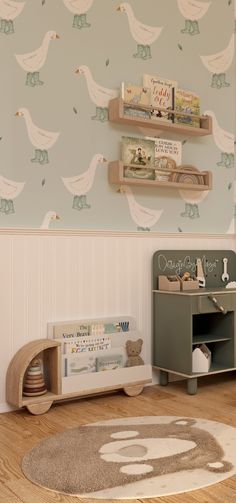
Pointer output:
19, 431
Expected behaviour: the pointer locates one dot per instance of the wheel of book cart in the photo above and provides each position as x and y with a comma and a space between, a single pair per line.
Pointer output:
133, 390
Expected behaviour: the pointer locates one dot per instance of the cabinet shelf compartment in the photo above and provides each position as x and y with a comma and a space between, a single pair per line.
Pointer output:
117, 115
116, 176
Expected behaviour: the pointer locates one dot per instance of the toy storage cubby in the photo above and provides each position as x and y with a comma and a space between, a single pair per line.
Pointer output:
60, 386
183, 320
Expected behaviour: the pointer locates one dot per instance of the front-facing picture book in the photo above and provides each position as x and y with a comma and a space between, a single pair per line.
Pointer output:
137, 152
135, 95
188, 102
168, 155
162, 96
136, 100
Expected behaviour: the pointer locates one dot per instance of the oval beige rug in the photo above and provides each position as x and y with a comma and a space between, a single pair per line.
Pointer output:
134, 457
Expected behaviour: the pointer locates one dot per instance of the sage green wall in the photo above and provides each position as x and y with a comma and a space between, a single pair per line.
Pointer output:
54, 137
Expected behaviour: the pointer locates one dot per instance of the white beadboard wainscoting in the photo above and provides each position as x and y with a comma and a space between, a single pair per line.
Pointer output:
51, 276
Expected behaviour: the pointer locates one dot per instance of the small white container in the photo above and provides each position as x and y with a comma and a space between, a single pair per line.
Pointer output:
201, 359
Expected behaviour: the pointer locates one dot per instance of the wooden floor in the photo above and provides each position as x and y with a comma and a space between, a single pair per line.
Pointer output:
19, 431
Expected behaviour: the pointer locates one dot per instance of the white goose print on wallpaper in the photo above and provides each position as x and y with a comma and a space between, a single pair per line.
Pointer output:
33, 61
192, 198
99, 95
143, 34
48, 218
9, 10
80, 184
224, 141
145, 218
9, 190
41, 139
192, 10
79, 8
218, 64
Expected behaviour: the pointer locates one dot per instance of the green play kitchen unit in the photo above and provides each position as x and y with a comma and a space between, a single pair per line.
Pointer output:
194, 304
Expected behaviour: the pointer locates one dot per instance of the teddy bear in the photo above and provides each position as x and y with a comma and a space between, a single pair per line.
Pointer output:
133, 349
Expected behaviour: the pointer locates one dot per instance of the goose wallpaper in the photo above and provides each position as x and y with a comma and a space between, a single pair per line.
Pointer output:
61, 63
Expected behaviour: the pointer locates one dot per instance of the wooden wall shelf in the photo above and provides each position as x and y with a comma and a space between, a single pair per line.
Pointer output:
116, 175
116, 114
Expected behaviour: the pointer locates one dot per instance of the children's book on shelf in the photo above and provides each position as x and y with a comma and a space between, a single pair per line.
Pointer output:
137, 152
75, 364
188, 102
87, 344
162, 96
168, 155
109, 362
135, 97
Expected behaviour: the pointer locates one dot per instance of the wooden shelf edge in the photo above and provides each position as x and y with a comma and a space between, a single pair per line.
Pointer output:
65, 396
116, 115
115, 175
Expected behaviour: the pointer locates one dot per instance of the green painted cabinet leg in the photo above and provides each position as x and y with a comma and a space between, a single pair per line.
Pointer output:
163, 378
192, 386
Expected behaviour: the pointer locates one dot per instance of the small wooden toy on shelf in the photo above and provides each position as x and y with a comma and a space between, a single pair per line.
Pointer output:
34, 382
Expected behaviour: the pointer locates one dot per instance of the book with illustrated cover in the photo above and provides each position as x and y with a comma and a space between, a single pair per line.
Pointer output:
88, 344
134, 95
188, 102
137, 152
70, 330
162, 95
109, 362
77, 364
168, 155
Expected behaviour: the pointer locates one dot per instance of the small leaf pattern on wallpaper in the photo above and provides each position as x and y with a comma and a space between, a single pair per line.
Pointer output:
63, 82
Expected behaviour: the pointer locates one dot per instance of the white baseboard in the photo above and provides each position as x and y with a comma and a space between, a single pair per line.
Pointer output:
4, 407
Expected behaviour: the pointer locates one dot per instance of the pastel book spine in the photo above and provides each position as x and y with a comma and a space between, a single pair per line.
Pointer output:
188, 102
162, 96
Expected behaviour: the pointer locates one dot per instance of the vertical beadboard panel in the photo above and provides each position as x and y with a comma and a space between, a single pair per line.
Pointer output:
54, 278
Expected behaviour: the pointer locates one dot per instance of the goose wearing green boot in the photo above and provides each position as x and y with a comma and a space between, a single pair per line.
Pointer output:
192, 11
99, 95
143, 34
217, 64
81, 184
32, 62
192, 199
9, 10
224, 140
9, 190
79, 8
41, 139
